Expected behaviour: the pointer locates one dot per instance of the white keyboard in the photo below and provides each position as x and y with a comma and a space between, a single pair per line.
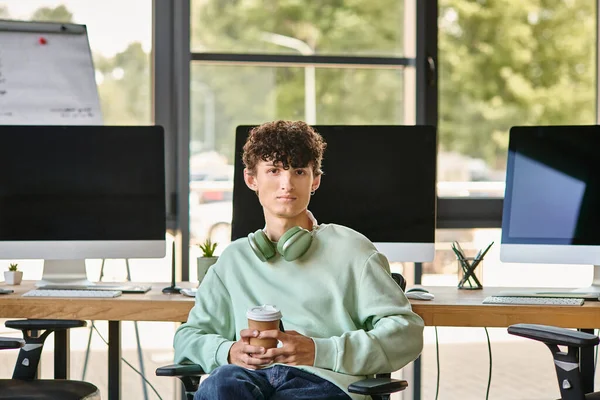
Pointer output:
541, 301
71, 293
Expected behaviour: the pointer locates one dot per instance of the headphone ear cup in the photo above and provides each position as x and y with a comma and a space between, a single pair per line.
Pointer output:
262, 246
294, 243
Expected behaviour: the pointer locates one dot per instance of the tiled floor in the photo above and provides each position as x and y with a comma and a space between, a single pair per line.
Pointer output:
521, 371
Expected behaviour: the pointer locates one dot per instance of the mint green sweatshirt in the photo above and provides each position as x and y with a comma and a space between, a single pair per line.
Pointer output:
339, 293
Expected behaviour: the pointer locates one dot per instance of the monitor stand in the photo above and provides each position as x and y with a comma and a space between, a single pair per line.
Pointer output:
591, 292
64, 273
594, 288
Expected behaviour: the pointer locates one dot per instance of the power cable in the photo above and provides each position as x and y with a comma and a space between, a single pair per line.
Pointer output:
437, 359
489, 383
487, 392
595, 351
127, 362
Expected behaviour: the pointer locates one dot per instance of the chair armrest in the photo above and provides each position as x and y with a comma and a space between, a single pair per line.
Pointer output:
11, 343
374, 386
554, 335
180, 370
189, 374
45, 324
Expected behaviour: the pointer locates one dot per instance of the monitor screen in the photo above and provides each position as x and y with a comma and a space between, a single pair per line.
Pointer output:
378, 180
552, 200
76, 192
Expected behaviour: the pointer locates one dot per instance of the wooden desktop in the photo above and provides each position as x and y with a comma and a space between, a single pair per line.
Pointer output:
451, 307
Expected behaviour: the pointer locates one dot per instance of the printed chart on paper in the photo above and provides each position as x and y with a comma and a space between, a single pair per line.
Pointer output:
47, 79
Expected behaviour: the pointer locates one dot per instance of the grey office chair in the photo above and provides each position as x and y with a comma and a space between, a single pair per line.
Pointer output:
566, 363
24, 384
379, 388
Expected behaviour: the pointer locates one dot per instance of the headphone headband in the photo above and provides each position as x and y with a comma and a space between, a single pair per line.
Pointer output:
292, 245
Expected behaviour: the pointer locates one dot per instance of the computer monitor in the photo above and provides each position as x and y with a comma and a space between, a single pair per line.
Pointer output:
68, 193
552, 199
378, 180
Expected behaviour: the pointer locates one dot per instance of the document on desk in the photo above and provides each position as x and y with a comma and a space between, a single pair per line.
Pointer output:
47, 75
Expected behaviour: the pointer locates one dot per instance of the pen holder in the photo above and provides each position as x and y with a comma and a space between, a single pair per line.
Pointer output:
470, 273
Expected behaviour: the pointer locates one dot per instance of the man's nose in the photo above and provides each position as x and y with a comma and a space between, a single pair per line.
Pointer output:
286, 181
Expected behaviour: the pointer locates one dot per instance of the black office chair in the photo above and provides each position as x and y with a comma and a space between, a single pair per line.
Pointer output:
566, 363
379, 388
24, 384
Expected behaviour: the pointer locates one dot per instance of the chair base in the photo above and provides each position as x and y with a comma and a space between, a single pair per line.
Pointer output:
13, 389
591, 396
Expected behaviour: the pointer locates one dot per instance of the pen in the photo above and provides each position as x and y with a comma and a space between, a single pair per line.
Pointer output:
463, 263
478, 260
466, 267
460, 249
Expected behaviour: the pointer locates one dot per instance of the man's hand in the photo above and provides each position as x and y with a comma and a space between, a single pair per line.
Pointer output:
245, 355
297, 349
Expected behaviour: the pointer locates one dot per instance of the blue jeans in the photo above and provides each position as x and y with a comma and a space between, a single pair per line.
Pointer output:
280, 382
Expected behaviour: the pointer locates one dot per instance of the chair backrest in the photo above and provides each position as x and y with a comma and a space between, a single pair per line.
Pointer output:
571, 381
399, 280
35, 332
402, 283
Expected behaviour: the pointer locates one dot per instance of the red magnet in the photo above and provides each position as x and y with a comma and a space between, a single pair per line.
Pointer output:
42, 40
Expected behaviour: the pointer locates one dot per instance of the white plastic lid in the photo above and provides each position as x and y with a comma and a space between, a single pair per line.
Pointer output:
266, 312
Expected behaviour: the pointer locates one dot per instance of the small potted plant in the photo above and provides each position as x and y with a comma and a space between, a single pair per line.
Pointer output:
13, 276
206, 259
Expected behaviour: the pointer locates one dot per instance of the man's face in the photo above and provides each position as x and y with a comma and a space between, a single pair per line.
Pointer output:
282, 193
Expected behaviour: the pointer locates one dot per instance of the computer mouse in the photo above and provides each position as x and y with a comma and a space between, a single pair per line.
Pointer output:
417, 289
419, 294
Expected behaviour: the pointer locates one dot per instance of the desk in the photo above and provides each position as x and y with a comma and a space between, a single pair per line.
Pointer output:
464, 308
451, 307
151, 306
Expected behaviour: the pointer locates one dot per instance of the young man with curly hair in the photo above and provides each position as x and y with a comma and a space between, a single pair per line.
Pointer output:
344, 315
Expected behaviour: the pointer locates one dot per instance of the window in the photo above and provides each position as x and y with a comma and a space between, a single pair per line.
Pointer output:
352, 86
120, 46
120, 35
372, 28
504, 64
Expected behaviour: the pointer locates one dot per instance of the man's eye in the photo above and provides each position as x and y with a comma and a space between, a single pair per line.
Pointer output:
273, 170
300, 172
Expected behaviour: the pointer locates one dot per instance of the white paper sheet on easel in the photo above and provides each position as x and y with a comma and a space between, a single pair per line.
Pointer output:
47, 79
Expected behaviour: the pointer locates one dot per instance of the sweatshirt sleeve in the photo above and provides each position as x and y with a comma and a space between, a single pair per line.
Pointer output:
392, 334
209, 332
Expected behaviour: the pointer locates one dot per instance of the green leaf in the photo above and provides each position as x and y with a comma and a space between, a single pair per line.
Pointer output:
208, 248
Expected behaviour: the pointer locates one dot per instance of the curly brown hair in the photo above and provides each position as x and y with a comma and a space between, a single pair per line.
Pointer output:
294, 144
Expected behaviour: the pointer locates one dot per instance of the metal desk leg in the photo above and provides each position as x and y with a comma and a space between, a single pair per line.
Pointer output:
114, 360
586, 365
416, 384
417, 370
61, 354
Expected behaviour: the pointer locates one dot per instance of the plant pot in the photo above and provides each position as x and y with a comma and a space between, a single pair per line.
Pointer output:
204, 264
13, 277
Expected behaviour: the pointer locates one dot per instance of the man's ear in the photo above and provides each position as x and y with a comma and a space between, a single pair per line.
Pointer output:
316, 183
250, 180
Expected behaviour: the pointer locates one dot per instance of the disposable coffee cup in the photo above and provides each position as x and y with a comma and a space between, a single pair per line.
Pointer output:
263, 318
